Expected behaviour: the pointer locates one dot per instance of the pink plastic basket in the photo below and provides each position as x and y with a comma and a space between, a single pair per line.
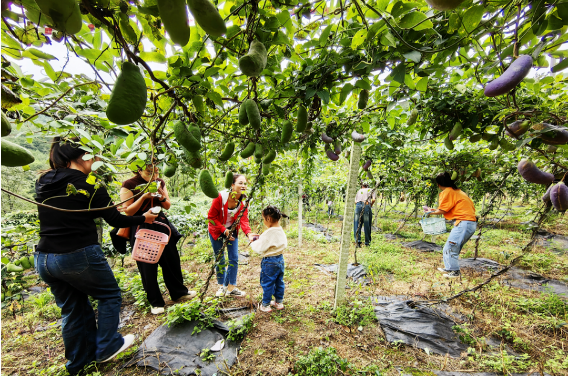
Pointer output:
149, 244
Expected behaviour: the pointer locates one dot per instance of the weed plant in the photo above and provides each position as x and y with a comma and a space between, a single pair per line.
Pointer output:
356, 313
204, 313
239, 328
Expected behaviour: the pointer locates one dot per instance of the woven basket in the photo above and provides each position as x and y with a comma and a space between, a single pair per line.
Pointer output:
149, 244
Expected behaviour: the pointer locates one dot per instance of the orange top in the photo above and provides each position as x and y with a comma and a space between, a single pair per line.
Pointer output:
457, 205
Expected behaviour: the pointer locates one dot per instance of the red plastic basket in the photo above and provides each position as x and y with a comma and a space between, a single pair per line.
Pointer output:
149, 244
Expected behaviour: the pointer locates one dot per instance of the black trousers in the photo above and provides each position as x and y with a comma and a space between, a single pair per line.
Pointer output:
169, 262
172, 272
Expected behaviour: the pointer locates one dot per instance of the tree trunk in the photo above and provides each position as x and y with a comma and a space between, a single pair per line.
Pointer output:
347, 225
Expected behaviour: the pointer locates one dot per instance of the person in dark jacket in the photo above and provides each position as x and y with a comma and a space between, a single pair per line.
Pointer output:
170, 258
70, 260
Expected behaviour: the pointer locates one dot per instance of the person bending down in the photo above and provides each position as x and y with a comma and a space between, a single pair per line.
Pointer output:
454, 204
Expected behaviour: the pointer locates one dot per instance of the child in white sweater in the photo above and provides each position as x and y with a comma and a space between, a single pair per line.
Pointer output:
271, 245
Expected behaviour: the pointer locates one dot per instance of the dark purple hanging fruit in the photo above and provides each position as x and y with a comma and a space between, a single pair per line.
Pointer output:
515, 73
358, 137
529, 171
558, 195
332, 155
555, 136
366, 165
326, 139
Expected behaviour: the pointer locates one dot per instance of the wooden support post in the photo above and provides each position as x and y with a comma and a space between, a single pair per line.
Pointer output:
299, 214
347, 225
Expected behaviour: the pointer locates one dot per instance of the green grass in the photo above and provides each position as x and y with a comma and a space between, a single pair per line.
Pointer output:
383, 257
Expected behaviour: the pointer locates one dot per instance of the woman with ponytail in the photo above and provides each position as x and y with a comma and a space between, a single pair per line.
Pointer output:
224, 211
455, 205
70, 260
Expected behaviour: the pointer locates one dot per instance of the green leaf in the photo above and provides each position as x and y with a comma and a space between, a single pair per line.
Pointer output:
215, 97
412, 20
409, 82
422, 84
398, 73
453, 23
555, 23
363, 84
359, 38
310, 93
154, 57
280, 38
210, 72
324, 36
97, 39
129, 140
90, 53
387, 39
325, 96
413, 55
34, 53
49, 71
96, 165
471, 18
560, 66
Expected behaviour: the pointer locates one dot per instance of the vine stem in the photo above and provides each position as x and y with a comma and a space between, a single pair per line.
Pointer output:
59, 98
84, 210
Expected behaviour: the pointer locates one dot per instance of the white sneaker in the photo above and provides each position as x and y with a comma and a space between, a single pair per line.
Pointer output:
128, 341
221, 291
277, 306
235, 293
157, 310
442, 270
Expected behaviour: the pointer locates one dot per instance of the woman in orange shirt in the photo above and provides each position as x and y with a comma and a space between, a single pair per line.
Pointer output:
454, 204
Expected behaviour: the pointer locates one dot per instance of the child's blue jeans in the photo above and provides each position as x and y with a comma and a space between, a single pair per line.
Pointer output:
272, 279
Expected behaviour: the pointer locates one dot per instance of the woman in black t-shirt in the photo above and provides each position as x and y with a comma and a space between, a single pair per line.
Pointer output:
170, 259
70, 260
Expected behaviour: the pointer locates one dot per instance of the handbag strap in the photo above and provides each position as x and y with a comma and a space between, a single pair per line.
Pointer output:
160, 223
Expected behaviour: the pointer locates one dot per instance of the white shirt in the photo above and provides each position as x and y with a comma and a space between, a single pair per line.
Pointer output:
272, 242
363, 195
231, 215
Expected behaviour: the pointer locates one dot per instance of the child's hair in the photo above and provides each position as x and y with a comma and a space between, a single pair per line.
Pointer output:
273, 213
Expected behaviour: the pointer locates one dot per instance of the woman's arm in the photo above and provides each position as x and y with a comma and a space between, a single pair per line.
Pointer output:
130, 207
436, 211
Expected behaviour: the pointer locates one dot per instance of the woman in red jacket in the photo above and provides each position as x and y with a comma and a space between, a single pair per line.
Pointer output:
223, 212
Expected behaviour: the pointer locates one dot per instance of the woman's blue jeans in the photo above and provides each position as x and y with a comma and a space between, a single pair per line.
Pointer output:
226, 274
458, 236
272, 279
73, 277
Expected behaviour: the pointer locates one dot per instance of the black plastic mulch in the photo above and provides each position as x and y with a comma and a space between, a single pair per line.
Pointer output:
423, 246
422, 327
517, 277
175, 350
